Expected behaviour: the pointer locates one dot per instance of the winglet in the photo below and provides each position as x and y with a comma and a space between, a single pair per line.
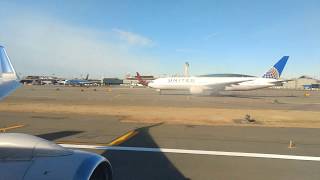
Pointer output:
141, 81
276, 71
9, 80
6, 66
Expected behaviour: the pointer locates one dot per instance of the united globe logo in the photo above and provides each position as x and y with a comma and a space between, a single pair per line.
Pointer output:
272, 73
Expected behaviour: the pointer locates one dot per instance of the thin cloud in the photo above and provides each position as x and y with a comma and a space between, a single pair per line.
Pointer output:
133, 38
48, 46
209, 36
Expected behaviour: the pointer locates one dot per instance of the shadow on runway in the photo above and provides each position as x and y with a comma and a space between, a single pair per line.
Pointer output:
234, 94
175, 94
254, 96
129, 165
57, 135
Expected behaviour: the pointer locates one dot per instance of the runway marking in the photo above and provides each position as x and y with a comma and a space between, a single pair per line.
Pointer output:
123, 138
196, 152
11, 127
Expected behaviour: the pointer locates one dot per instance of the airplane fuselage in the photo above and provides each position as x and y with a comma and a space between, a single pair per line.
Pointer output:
186, 83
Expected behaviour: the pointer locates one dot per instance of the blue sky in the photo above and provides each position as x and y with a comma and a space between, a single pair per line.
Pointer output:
113, 38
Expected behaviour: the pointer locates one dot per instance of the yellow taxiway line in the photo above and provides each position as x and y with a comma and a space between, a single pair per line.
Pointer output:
11, 127
123, 138
119, 140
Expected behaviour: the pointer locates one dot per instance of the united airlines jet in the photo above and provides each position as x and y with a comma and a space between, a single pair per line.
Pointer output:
215, 83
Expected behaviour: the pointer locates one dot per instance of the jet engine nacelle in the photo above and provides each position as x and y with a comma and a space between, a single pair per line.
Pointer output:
28, 157
196, 90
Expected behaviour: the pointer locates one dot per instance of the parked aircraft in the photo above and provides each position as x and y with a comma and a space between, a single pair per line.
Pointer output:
82, 82
215, 83
28, 157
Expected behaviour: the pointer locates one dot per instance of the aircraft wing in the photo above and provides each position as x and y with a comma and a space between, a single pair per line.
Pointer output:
222, 86
8, 87
213, 88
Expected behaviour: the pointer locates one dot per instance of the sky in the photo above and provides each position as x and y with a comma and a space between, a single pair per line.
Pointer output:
112, 38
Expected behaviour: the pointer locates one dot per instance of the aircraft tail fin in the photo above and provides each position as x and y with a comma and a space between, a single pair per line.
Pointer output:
5, 63
87, 77
276, 71
141, 81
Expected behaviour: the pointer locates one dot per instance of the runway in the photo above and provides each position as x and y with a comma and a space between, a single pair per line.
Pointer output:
144, 151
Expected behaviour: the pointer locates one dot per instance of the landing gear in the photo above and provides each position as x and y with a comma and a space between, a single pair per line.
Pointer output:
160, 92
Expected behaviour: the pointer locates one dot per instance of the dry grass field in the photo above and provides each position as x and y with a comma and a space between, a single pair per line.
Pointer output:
276, 108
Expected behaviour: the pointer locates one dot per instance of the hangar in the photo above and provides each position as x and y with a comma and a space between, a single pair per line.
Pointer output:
303, 82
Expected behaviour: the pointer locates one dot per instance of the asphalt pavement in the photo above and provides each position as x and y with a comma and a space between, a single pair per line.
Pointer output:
145, 151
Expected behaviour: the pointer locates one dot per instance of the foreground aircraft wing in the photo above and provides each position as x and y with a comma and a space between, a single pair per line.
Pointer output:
8, 78
28, 157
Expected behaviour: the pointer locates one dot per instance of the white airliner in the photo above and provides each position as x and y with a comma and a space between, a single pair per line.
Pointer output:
215, 83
